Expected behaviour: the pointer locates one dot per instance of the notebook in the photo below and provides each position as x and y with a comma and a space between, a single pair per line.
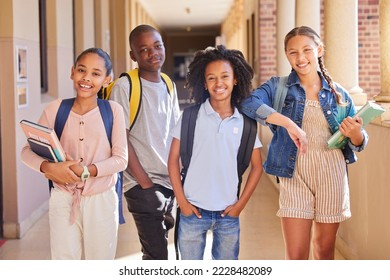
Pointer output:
44, 135
368, 112
42, 149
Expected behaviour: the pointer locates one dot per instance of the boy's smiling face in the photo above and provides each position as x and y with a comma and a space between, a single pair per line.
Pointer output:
148, 51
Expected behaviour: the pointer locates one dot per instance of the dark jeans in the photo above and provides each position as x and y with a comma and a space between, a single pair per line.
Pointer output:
152, 212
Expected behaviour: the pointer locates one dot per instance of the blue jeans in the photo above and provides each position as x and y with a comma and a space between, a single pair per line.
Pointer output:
193, 231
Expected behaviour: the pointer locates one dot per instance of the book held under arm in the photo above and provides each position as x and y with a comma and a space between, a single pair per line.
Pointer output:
46, 136
42, 149
368, 112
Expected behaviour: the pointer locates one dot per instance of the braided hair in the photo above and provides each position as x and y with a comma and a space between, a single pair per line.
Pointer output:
309, 32
243, 73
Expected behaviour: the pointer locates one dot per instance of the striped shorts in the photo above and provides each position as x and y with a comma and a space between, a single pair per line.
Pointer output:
319, 187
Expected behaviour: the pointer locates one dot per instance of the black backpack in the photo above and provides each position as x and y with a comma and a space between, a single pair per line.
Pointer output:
190, 114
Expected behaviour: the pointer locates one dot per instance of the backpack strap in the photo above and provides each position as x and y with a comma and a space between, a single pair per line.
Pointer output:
245, 150
107, 117
135, 94
62, 115
104, 92
281, 93
169, 83
190, 114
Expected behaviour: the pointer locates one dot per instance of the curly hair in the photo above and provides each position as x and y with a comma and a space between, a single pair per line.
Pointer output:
308, 32
243, 73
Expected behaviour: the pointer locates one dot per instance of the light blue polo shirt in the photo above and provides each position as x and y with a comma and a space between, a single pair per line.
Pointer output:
212, 180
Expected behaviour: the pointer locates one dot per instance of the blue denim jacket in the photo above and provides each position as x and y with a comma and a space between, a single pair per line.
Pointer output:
282, 152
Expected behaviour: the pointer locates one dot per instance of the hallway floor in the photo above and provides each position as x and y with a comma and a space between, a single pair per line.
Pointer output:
261, 236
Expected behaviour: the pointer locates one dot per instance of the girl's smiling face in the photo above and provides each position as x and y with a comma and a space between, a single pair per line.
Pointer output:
303, 53
219, 80
89, 74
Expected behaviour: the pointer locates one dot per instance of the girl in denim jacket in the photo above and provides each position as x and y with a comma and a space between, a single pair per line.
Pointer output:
314, 191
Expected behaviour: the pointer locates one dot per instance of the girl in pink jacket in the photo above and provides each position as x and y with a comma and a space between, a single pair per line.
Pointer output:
83, 206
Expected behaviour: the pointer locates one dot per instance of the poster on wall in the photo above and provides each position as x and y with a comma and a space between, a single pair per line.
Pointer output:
22, 95
21, 77
21, 69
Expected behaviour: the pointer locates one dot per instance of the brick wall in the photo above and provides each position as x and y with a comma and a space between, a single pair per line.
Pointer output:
267, 38
369, 54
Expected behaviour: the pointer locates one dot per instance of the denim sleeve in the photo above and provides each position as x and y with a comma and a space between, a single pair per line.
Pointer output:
351, 111
258, 106
362, 146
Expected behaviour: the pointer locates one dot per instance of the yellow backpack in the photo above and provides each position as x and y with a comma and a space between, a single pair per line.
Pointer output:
135, 95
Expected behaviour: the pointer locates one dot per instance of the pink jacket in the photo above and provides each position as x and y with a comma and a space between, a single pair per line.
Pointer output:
85, 137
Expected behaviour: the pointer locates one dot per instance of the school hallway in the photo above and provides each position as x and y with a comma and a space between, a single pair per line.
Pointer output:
261, 236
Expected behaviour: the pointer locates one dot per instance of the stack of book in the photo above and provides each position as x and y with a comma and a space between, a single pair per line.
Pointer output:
368, 112
43, 141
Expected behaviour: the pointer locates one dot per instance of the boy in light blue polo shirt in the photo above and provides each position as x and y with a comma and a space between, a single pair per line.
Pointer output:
219, 79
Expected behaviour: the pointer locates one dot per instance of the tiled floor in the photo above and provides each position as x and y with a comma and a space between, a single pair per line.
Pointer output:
261, 236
